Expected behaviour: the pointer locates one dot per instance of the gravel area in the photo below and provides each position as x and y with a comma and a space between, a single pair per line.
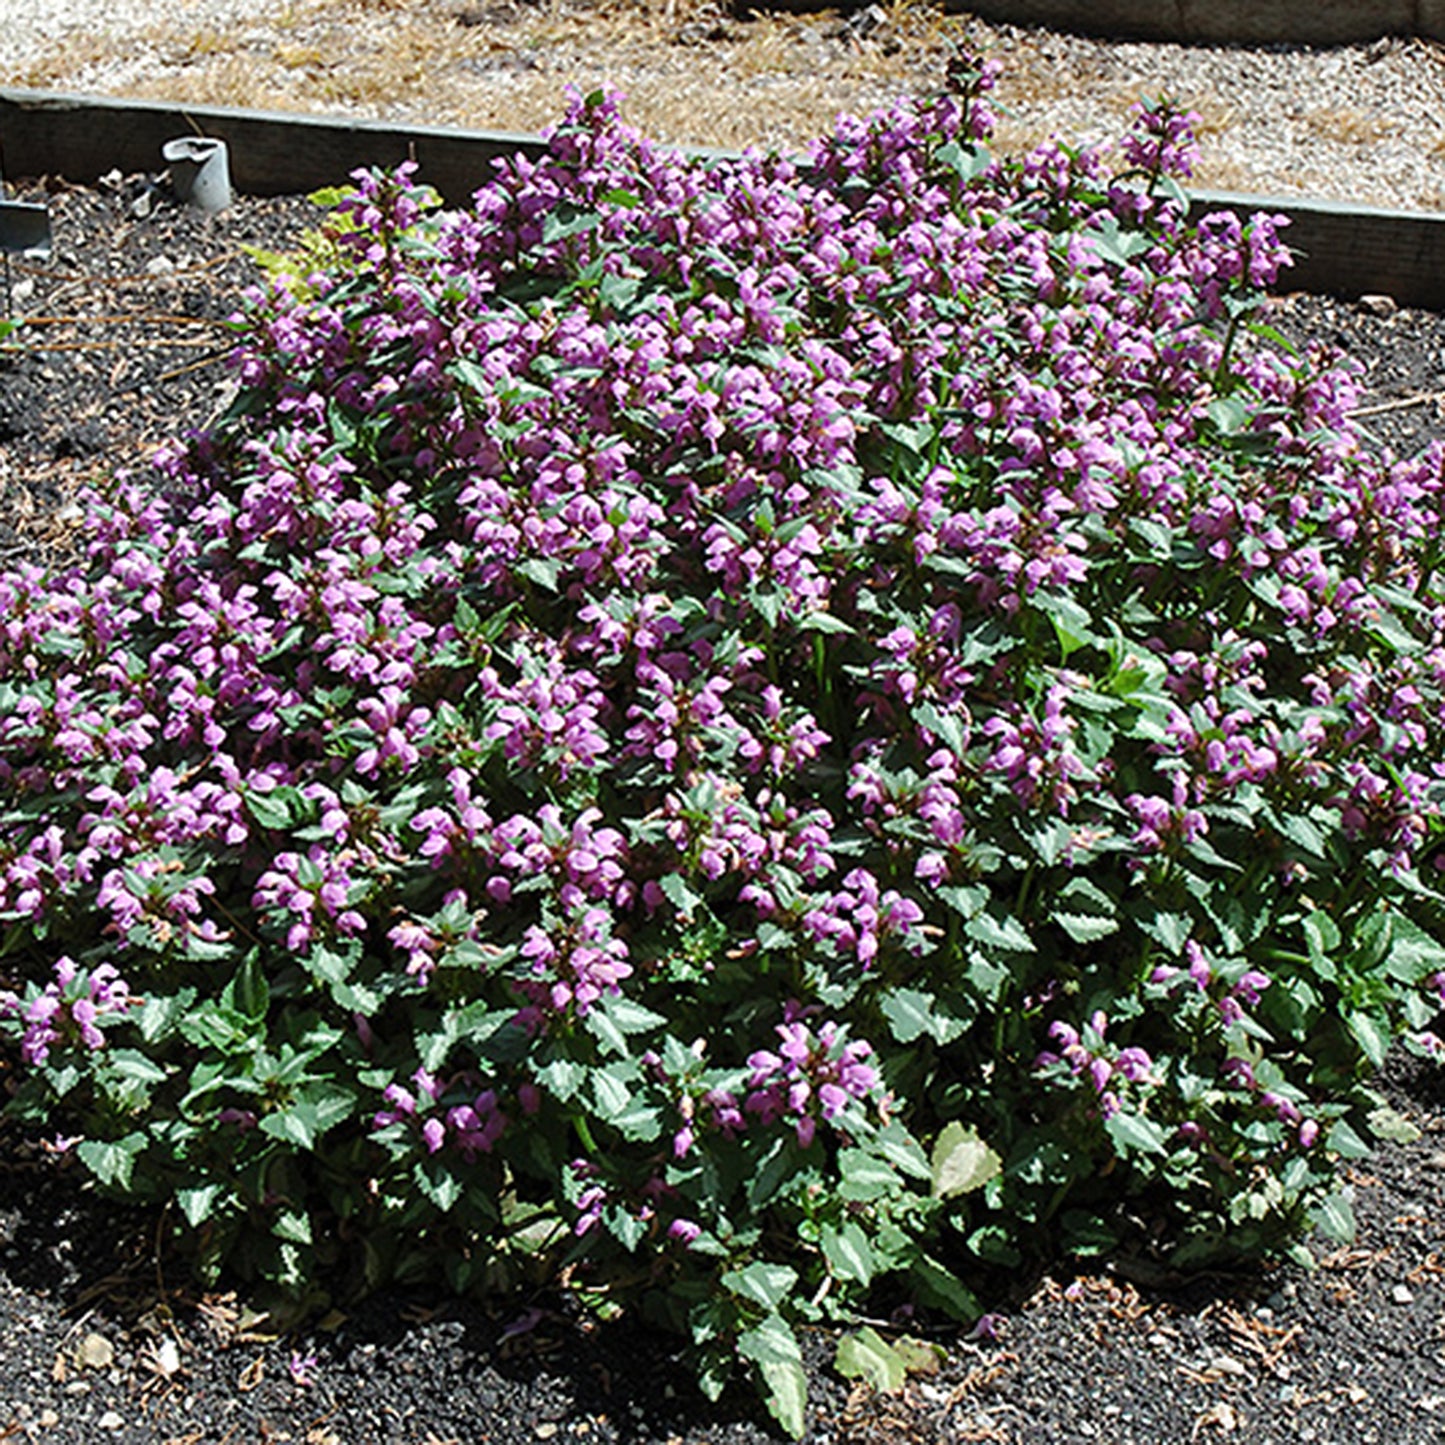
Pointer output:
1360, 123
102, 1340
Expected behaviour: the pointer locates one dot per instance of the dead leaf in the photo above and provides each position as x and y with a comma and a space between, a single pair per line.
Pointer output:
251, 1376
1221, 1416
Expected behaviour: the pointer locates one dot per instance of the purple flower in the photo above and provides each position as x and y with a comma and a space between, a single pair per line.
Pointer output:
301, 1368
685, 1231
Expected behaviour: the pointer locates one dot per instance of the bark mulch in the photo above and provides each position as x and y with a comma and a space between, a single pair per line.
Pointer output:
101, 1340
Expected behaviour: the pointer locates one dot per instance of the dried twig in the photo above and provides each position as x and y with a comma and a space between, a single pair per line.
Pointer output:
1403, 404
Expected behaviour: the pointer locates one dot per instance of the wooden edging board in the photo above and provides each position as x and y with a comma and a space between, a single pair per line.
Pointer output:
1223, 22
1344, 250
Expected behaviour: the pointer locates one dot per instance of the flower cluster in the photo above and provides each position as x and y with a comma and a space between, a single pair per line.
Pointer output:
893, 590
1087, 1055
68, 1010
810, 1076
471, 1128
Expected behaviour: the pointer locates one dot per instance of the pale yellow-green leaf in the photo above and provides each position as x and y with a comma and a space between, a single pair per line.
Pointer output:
962, 1162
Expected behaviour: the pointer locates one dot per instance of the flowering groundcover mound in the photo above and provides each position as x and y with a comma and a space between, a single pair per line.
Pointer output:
730, 730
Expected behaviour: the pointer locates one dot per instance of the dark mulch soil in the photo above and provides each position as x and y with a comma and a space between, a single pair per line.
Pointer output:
100, 1340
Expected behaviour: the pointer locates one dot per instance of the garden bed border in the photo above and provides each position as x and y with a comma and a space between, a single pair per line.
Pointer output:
1344, 250
1222, 22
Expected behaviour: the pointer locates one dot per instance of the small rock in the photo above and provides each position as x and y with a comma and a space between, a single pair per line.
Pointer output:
1377, 305
1436, 1161
46, 1419
1227, 1365
160, 266
111, 1421
1402, 1294
546, 1430
167, 1358
95, 1353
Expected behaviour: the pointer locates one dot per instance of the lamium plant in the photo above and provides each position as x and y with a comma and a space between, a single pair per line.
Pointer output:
742, 728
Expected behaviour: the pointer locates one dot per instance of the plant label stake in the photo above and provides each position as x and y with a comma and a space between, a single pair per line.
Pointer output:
200, 171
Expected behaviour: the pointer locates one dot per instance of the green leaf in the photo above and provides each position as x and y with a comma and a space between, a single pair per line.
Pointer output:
786, 1394
967, 162
866, 1355
196, 1204
137, 1067
112, 1161
612, 1095
562, 1078
848, 1252
567, 220
437, 1183
772, 1172
900, 1148
865, 1177
1335, 1216
1072, 624
679, 894
771, 1339
1306, 835
999, 932
292, 1224
1134, 1134
912, 1014
1371, 1035
1387, 1123
1115, 245
1343, 1140
161, 1013
544, 571
819, 621
1085, 927
305, 1120
638, 1122
966, 899
773, 1348
268, 810
962, 1162
943, 1290
253, 993
600, 1025
1170, 930
631, 1017
764, 1284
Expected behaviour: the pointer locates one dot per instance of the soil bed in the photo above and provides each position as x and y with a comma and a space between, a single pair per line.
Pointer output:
100, 1340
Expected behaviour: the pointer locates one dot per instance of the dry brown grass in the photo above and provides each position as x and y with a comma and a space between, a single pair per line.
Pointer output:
695, 72
73, 55
1347, 126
